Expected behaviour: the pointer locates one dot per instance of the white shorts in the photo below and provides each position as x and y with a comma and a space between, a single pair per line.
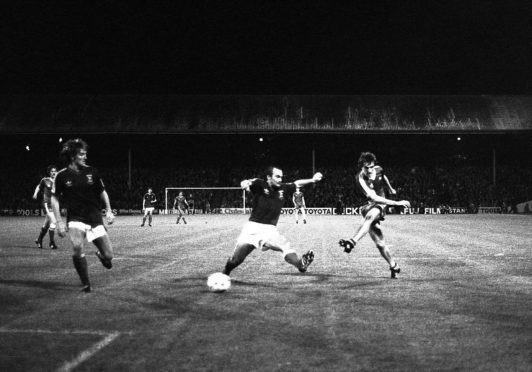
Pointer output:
258, 234
149, 210
90, 232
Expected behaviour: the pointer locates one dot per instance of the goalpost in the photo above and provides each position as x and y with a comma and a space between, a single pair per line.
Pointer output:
210, 190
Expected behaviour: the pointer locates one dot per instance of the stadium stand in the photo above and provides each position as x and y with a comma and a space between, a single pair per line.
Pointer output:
467, 187
180, 114
170, 139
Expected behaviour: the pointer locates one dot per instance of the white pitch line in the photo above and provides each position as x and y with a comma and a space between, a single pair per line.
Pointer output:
86, 354
46, 331
81, 357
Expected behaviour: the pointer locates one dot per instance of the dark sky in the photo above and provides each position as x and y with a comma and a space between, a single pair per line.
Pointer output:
268, 47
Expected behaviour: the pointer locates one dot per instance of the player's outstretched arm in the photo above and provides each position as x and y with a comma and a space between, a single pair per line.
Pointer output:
36, 192
381, 200
389, 186
245, 184
316, 178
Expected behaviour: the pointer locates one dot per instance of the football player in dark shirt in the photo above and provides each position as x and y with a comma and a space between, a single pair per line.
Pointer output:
268, 197
371, 182
45, 186
81, 191
148, 205
182, 205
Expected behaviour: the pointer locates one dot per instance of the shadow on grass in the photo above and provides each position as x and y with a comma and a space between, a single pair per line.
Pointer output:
37, 284
29, 246
201, 283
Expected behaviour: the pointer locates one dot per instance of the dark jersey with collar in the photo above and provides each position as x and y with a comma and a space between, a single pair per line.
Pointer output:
181, 202
149, 200
297, 197
79, 192
46, 187
267, 202
364, 184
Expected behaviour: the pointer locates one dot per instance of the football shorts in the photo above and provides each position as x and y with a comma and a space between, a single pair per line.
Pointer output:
258, 234
91, 233
149, 210
366, 208
49, 213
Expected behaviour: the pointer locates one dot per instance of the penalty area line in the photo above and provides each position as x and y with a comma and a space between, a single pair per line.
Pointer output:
86, 354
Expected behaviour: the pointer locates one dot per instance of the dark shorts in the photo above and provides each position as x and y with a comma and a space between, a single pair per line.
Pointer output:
381, 207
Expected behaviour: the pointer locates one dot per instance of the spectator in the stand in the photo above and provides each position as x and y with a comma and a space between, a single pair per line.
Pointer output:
191, 204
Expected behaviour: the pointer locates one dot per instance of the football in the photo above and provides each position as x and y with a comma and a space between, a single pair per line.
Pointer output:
218, 282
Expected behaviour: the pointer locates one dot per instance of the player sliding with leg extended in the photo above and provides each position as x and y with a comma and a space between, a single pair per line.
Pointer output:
82, 192
299, 204
261, 229
370, 181
45, 186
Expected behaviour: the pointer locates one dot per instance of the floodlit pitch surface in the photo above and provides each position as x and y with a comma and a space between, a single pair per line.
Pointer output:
462, 302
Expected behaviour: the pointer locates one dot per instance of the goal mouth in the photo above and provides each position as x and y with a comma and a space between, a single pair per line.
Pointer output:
207, 199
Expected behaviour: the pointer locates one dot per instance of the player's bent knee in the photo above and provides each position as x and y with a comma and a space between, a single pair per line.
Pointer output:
77, 250
288, 251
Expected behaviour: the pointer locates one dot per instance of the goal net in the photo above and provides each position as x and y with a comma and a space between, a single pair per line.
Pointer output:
207, 199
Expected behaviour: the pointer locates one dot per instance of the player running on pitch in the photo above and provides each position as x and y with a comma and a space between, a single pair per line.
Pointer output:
148, 205
371, 182
299, 204
82, 192
45, 186
261, 229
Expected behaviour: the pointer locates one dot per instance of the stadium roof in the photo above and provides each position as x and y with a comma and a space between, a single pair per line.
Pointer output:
161, 114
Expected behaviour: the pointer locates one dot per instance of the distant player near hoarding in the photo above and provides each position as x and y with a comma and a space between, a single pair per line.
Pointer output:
268, 197
370, 181
148, 205
299, 204
182, 205
45, 186
82, 193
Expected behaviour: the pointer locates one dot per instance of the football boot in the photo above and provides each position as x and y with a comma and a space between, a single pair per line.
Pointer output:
306, 260
394, 271
347, 244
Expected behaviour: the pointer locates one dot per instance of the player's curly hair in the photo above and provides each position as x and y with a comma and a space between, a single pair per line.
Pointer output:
49, 168
269, 170
71, 148
366, 157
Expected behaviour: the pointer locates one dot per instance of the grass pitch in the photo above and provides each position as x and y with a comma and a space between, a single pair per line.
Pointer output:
462, 301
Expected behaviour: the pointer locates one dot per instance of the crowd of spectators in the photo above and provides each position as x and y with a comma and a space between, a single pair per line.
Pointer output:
464, 186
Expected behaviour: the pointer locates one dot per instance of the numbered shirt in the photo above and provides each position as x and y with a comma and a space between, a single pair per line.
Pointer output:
267, 202
79, 192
